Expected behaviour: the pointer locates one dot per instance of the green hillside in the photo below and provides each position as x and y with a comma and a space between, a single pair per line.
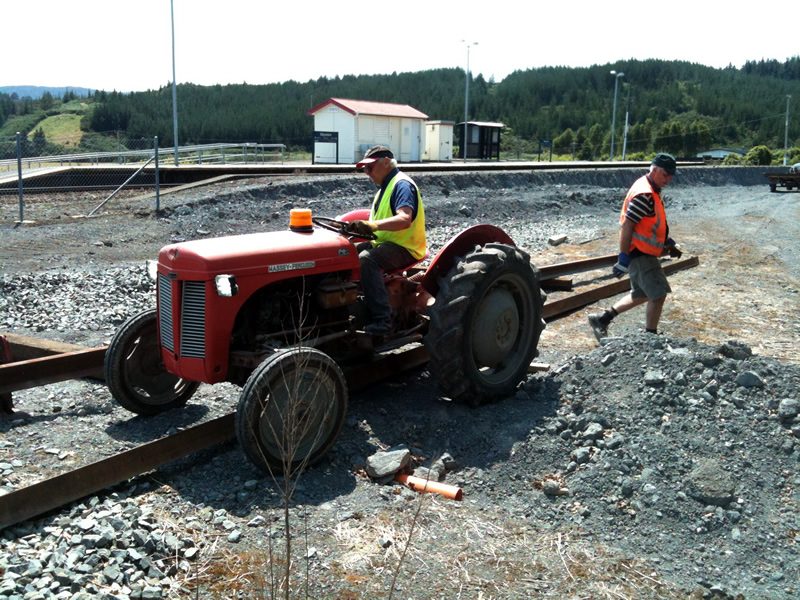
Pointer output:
674, 106
62, 129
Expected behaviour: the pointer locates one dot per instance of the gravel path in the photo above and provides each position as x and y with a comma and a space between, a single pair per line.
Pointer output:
650, 467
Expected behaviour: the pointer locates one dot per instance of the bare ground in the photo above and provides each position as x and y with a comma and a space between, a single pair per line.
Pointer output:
507, 539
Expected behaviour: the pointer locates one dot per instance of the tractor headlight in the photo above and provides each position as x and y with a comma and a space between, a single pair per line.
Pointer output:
152, 269
226, 285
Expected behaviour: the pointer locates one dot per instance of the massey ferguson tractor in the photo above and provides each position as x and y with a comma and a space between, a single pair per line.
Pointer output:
281, 314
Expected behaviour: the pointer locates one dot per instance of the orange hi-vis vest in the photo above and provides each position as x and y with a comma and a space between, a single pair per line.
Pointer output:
650, 233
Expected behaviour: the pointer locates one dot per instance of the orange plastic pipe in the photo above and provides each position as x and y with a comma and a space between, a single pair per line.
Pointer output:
418, 484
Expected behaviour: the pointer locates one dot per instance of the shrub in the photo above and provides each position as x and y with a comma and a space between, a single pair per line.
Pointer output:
732, 159
758, 155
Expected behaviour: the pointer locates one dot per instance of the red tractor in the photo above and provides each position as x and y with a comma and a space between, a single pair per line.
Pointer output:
281, 314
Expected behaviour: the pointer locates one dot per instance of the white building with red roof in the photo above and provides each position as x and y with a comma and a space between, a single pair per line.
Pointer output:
344, 129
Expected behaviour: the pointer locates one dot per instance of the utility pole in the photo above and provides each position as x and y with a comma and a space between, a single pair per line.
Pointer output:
466, 100
625, 130
174, 89
786, 132
614, 110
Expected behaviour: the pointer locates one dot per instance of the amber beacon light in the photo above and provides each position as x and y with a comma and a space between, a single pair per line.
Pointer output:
300, 219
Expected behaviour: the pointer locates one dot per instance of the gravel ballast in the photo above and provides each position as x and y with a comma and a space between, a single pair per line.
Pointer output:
647, 467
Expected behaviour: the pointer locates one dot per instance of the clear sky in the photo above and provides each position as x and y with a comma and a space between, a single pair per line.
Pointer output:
126, 45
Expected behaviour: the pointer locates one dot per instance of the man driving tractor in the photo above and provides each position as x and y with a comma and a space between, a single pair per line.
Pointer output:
397, 221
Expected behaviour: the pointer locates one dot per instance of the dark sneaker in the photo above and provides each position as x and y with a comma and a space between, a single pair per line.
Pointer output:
599, 328
377, 328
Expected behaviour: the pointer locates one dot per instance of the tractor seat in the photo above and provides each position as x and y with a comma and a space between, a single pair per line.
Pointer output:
401, 270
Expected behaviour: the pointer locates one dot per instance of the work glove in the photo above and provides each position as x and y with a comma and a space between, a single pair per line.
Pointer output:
673, 249
621, 267
362, 228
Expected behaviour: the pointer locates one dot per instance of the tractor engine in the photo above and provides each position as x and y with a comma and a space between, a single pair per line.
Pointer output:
224, 304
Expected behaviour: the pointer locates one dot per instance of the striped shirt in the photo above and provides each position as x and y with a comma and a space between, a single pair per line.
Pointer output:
639, 207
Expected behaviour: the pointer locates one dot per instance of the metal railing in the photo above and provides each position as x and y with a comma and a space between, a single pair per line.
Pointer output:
22, 170
223, 153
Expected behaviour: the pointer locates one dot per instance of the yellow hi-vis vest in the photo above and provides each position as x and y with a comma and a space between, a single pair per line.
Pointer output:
412, 238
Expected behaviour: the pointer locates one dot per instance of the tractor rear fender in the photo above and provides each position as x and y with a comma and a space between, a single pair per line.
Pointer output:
461, 244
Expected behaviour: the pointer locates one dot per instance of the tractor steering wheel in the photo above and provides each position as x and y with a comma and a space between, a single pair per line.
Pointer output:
340, 227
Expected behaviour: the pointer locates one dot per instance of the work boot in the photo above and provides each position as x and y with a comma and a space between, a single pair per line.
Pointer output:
599, 326
377, 328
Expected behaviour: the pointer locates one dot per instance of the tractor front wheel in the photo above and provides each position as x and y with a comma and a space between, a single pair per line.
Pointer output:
291, 410
135, 374
485, 324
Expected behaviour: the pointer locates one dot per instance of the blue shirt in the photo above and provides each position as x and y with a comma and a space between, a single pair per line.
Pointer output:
403, 194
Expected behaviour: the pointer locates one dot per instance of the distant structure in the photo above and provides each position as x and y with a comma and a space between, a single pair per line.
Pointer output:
344, 129
720, 153
483, 140
438, 141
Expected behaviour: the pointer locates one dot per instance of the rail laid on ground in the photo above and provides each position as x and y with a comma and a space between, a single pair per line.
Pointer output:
54, 492
51, 493
49, 362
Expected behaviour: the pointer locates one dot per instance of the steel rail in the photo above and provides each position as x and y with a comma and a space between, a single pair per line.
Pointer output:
49, 494
25, 374
24, 347
60, 361
54, 492
560, 308
51, 362
576, 266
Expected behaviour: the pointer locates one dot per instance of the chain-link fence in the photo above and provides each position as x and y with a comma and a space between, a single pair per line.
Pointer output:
31, 165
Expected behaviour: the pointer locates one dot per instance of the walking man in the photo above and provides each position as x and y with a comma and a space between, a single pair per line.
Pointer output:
643, 237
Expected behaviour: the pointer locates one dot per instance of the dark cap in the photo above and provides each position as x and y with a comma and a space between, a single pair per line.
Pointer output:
373, 154
666, 162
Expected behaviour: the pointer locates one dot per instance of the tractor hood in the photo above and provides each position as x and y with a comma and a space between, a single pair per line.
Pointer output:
317, 251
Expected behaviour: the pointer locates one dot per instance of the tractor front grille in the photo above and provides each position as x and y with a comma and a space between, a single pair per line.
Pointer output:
193, 316
193, 319
165, 312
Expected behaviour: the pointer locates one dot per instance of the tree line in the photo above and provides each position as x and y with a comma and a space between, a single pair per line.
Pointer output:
673, 106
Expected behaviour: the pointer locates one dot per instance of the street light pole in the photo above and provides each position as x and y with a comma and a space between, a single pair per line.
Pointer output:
625, 129
625, 136
174, 90
786, 131
614, 110
466, 100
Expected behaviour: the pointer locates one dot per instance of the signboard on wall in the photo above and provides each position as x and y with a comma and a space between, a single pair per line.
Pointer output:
326, 137
322, 137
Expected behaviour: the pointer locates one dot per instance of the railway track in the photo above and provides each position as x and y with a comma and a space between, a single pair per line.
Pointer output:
96, 177
34, 362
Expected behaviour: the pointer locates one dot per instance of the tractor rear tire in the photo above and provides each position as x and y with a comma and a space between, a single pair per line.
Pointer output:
485, 324
135, 374
291, 410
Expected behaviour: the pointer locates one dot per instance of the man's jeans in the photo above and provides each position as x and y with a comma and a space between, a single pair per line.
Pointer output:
375, 260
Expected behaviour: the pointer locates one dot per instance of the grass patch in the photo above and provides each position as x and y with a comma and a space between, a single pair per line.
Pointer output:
77, 106
22, 123
63, 129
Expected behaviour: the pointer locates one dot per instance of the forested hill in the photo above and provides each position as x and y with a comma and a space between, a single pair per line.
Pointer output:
675, 106
35, 92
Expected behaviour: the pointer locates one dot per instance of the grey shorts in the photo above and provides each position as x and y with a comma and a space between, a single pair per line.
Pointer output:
647, 278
